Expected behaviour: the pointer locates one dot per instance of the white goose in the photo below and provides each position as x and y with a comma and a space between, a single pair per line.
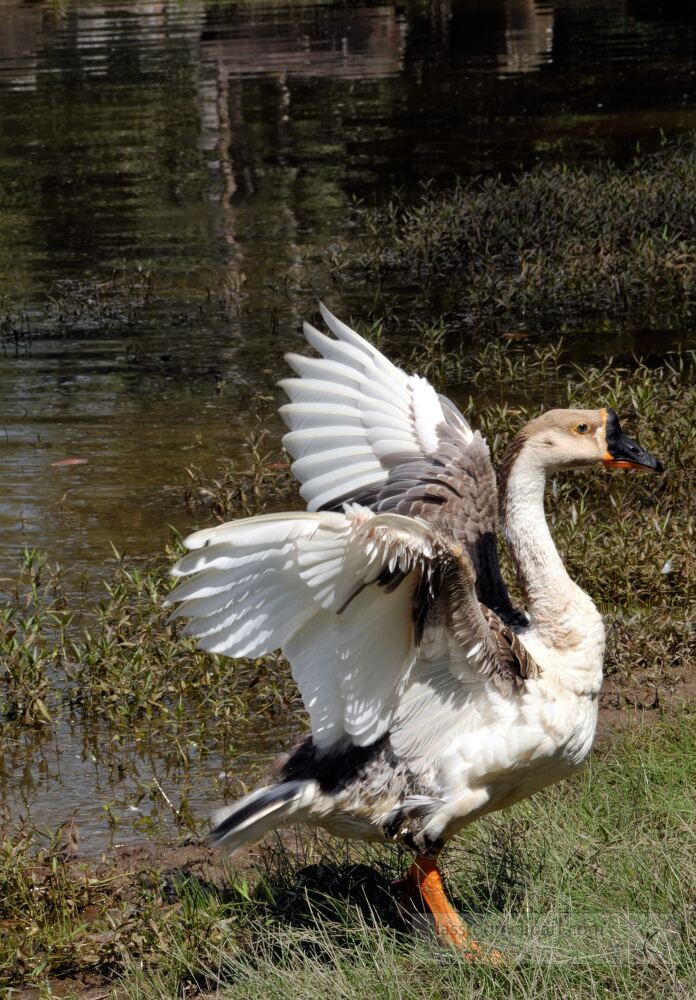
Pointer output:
432, 700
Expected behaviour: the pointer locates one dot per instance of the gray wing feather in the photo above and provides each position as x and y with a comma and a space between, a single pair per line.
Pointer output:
500, 654
455, 491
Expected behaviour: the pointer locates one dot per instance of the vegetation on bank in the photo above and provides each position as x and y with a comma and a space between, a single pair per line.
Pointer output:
557, 247
596, 248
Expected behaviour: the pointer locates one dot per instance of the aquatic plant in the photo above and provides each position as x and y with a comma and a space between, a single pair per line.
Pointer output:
30, 622
258, 483
553, 248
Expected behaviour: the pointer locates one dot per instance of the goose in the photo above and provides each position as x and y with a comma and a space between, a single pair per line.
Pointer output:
432, 699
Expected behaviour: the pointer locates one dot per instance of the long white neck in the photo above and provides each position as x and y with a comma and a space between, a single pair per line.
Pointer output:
554, 601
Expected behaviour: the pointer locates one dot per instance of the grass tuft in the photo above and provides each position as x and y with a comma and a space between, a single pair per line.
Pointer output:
558, 246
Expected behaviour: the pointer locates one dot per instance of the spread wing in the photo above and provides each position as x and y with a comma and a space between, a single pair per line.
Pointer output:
386, 596
362, 431
345, 596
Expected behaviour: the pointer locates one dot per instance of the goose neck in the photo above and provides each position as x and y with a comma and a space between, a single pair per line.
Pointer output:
552, 597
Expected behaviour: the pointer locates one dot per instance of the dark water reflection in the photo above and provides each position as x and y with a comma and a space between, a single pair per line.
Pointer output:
224, 141
172, 176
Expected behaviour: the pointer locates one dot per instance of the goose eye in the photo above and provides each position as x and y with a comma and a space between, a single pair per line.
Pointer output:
582, 428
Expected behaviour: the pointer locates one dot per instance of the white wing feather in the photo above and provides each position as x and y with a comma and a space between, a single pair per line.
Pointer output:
305, 583
354, 415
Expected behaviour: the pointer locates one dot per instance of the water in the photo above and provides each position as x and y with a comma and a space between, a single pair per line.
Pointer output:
172, 177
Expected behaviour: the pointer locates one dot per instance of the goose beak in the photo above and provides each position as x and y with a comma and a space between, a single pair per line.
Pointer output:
625, 453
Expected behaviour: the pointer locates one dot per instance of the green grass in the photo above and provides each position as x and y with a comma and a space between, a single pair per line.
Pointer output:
588, 888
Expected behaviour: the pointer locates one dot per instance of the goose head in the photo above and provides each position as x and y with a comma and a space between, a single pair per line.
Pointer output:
576, 439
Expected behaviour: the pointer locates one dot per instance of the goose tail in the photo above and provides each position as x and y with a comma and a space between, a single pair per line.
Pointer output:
261, 811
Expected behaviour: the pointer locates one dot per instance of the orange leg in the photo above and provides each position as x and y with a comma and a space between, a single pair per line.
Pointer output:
424, 880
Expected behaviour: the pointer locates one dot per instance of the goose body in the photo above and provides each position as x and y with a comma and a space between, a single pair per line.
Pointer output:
432, 699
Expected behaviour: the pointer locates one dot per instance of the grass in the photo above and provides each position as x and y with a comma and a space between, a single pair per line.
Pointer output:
601, 908
589, 888
555, 247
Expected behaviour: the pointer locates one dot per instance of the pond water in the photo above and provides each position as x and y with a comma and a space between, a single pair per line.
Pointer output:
172, 179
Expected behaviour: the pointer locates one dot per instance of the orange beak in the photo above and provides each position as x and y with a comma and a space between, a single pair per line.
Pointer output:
621, 463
